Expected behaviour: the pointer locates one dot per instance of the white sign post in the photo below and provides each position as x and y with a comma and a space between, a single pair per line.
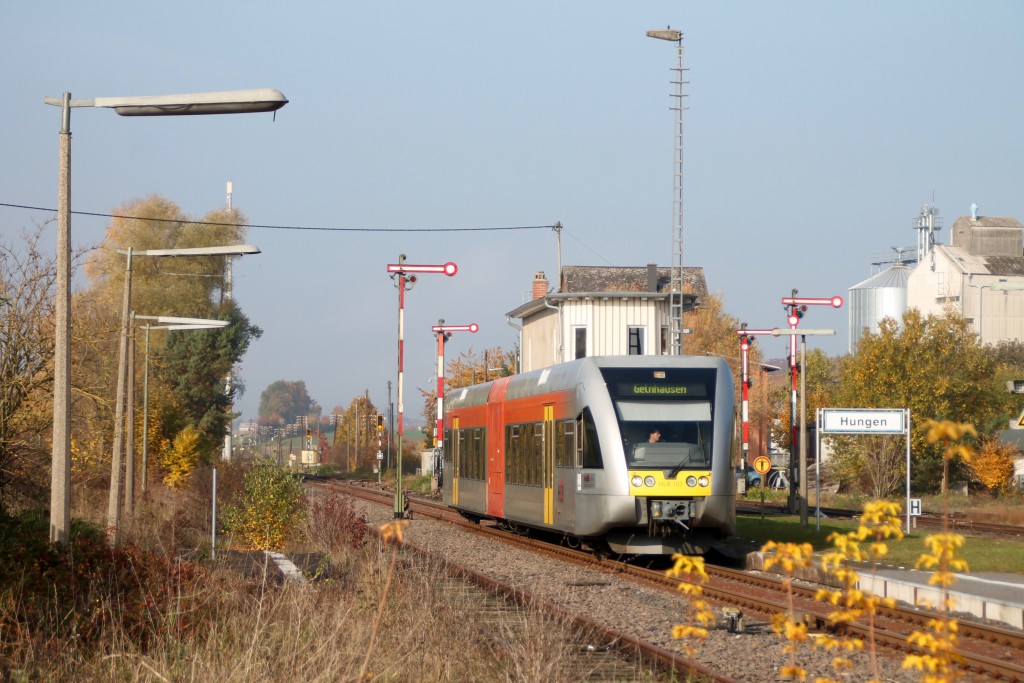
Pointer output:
867, 421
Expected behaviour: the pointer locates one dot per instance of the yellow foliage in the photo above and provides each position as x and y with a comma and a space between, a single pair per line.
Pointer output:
993, 465
699, 612
181, 458
394, 531
938, 642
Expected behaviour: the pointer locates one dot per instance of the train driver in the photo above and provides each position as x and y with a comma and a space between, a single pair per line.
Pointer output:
655, 436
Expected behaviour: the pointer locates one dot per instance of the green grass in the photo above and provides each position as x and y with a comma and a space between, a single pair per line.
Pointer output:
982, 554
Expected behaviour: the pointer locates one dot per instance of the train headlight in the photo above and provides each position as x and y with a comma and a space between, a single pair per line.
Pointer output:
649, 481
703, 481
691, 481
637, 481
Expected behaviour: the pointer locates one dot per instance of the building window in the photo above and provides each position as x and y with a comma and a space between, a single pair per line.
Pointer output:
579, 342
636, 341
664, 340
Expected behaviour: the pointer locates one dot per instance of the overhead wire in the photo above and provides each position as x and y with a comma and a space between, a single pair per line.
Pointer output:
282, 227
312, 228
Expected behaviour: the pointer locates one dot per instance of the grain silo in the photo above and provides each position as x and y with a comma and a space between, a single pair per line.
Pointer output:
880, 296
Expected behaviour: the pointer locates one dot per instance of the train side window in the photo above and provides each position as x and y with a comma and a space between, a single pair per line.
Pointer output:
525, 473
538, 454
514, 454
477, 470
569, 442
588, 450
560, 443
463, 452
508, 453
447, 435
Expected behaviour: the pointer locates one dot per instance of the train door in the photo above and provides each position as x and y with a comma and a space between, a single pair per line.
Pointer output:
453, 446
495, 448
548, 463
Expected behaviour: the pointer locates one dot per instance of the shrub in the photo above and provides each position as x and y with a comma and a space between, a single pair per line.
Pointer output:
87, 590
268, 509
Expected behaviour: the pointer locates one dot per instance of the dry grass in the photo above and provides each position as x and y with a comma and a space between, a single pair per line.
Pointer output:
226, 627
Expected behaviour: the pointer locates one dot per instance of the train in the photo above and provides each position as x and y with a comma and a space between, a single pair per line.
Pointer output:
569, 450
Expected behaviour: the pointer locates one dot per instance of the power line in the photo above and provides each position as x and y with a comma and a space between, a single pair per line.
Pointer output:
282, 227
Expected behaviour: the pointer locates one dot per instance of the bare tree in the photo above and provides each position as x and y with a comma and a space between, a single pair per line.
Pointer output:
27, 282
884, 463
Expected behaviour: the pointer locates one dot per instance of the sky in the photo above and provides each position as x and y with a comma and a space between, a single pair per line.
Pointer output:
814, 132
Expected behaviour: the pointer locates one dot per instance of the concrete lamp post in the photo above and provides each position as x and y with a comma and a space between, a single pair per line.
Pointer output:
228, 102
116, 464
162, 324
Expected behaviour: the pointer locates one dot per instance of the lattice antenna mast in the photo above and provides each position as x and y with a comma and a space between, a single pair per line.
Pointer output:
927, 224
675, 301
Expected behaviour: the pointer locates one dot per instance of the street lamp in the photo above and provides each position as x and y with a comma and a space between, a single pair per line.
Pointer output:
229, 102
675, 292
114, 499
168, 324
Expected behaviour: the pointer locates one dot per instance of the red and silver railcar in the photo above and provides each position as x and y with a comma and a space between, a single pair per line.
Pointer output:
566, 449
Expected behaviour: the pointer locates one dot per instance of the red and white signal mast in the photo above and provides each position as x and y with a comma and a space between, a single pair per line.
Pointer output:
443, 332
404, 275
746, 339
795, 309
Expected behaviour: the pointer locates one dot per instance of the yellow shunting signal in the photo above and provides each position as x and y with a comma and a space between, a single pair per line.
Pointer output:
380, 423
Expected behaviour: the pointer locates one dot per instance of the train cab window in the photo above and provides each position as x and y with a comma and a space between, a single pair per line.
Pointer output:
588, 449
685, 429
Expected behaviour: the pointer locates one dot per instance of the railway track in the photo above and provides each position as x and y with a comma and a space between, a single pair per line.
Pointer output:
958, 523
613, 648
987, 651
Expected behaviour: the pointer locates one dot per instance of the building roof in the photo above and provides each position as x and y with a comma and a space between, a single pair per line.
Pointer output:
627, 279
964, 222
620, 282
895, 276
981, 265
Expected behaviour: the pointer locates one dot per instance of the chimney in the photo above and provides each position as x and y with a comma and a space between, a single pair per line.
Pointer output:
652, 277
540, 285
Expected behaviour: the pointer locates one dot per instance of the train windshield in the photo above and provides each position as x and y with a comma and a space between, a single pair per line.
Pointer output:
664, 422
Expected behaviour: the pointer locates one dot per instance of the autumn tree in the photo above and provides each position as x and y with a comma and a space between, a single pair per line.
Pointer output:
714, 334
181, 458
355, 436
992, 465
195, 363
932, 365
192, 286
288, 400
465, 370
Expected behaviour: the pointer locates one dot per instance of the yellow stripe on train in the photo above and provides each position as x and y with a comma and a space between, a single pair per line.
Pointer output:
653, 483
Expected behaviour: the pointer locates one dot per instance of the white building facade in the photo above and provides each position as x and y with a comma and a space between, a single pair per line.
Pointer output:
600, 311
981, 275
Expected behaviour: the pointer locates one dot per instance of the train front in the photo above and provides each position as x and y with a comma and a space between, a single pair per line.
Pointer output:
675, 422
